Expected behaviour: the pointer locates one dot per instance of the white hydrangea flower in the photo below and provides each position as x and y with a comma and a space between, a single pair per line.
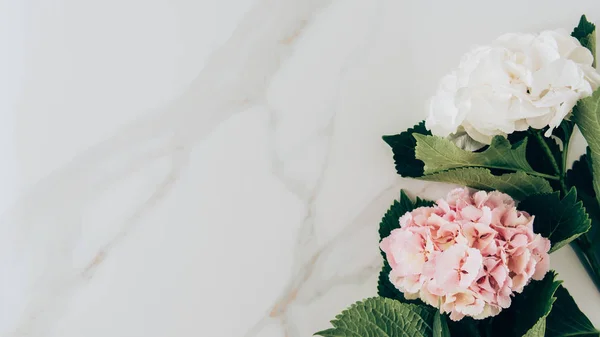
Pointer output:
519, 81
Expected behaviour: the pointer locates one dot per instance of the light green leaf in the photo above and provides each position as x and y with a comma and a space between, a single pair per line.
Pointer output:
538, 330
527, 314
585, 32
561, 221
382, 317
587, 117
462, 139
440, 325
519, 184
440, 154
566, 319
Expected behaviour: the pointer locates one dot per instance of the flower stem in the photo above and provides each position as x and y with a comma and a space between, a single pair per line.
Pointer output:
582, 245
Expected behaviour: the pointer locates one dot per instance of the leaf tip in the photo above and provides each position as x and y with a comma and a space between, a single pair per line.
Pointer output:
584, 28
387, 139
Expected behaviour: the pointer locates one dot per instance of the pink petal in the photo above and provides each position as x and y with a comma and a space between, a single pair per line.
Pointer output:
491, 249
428, 296
480, 198
486, 217
541, 268
406, 220
496, 199
500, 274
443, 205
519, 282
488, 311
504, 301
448, 264
471, 267
517, 264
471, 213
519, 240
412, 284
456, 316
436, 221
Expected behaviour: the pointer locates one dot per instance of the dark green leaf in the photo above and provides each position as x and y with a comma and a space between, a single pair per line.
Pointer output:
566, 319
382, 317
527, 314
536, 156
384, 287
423, 203
466, 327
586, 115
585, 32
391, 221
580, 176
403, 147
391, 218
519, 184
440, 154
561, 221
564, 131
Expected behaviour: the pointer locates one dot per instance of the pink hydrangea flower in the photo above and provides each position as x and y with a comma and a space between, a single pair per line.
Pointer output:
467, 255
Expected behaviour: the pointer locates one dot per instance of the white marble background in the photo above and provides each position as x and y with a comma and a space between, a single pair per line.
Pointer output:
215, 167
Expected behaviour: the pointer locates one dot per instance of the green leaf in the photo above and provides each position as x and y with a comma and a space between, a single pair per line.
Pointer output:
391, 218
403, 147
527, 314
580, 176
440, 325
561, 221
538, 330
382, 317
440, 154
564, 131
519, 184
391, 221
466, 327
566, 319
586, 115
585, 32
385, 288
423, 203
588, 246
536, 155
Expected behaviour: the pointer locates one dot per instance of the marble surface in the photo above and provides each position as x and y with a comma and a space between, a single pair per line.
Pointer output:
215, 167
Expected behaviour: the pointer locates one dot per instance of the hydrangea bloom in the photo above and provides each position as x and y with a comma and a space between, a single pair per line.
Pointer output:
516, 82
467, 254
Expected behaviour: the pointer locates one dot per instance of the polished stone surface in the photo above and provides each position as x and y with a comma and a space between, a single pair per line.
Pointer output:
215, 167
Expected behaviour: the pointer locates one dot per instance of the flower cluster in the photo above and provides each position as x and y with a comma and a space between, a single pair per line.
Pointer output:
467, 254
519, 81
